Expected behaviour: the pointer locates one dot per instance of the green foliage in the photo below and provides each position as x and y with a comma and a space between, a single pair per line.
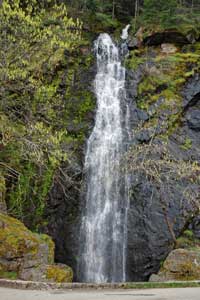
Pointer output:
8, 275
106, 20
188, 241
189, 234
34, 40
187, 144
135, 59
155, 15
29, 195
160, 12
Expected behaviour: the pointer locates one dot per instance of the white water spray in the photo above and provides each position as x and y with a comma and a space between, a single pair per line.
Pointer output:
124, 35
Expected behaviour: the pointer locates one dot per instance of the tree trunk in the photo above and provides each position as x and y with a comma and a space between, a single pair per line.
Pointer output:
136, 13
113, 10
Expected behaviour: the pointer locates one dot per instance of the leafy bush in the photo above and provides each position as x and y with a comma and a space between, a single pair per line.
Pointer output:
33, 41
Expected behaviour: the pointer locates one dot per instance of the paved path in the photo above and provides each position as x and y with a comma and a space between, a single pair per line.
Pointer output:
153, 294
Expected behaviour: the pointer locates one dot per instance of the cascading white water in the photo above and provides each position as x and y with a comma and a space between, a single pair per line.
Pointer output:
104, 226
124, 35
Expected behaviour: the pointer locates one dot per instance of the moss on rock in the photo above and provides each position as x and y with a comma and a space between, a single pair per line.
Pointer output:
15, 239
181, 264
59, 273
51, 247
27, 255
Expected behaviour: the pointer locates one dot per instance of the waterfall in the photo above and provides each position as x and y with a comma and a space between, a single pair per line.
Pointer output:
124, 35
104, 225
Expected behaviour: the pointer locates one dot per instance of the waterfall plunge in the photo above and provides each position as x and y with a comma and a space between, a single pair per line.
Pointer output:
104, 226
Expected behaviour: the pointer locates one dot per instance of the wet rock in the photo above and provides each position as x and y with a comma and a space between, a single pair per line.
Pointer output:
193, 120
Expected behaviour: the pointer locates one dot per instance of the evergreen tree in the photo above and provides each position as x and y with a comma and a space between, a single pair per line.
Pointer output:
160, 12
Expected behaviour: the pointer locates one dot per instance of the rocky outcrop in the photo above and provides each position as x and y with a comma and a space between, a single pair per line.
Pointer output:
28, 256
181, 264
154, 38
171, 36
149, 236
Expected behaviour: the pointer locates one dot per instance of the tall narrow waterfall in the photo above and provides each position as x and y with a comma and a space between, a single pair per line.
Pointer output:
104, 225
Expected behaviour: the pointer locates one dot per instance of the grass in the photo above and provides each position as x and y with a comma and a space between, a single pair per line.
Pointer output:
8, 275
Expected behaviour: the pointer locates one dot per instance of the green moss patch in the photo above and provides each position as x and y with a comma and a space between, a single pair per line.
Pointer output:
188, 241
59, 273
8, 275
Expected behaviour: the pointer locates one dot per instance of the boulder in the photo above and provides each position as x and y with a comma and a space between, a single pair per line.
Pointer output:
28, 255
181, 264
47, 273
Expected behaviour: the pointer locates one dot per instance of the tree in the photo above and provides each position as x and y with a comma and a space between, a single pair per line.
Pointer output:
159, 12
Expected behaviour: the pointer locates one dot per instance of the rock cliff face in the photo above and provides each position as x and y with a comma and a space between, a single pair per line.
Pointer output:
149, 239
158, 92
66, 198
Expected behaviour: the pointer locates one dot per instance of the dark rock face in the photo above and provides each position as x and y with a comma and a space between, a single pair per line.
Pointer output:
65, 200
193, 120
195, 227
64, 215
149, 238
173, 37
